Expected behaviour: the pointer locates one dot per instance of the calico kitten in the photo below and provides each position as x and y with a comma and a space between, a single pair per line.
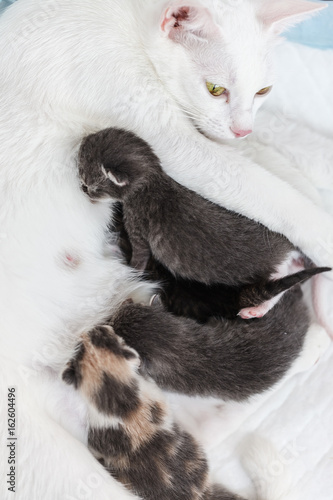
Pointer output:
191, 237
131, 430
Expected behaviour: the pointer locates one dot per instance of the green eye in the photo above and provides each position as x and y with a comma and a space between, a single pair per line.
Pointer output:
215, 90
264, 91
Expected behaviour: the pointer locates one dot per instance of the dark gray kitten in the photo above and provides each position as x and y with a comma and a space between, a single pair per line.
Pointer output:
193, 238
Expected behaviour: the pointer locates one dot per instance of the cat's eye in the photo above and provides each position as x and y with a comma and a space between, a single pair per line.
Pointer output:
264, 91
215, 90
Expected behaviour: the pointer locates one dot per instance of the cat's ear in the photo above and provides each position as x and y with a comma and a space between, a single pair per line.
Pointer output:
180, 19
279, 15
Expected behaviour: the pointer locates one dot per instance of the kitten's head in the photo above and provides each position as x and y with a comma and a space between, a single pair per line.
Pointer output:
113, 162
216, 57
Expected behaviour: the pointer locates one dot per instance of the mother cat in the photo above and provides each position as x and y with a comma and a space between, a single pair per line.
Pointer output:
167, 71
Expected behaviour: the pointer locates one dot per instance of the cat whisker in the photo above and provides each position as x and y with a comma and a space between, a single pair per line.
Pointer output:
190, 114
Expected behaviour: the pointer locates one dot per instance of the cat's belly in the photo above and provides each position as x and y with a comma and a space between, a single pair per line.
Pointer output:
59, 277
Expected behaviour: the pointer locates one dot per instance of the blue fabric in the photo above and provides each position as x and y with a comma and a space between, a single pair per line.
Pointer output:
4, 4
316, 32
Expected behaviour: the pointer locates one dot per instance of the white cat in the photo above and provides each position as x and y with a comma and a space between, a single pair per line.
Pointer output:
167, 71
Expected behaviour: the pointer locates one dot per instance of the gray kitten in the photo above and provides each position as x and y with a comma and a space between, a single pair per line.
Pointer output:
192, 237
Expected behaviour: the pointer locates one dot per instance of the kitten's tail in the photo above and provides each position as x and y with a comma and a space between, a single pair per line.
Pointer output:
267, 469
254, 295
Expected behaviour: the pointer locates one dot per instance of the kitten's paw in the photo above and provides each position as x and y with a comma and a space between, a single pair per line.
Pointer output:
261, 310
257, 312
251, 313
156, 300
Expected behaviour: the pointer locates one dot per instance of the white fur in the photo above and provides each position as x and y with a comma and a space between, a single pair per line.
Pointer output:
259, 457
69, 68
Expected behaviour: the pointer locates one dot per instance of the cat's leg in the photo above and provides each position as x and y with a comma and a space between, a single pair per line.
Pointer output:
132, 433
140, 253
231, 359
117, 226
136, 250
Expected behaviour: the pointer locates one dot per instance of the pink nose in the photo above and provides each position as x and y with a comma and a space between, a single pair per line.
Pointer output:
241, 133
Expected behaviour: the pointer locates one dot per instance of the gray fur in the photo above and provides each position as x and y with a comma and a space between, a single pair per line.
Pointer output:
193, 238
232, 359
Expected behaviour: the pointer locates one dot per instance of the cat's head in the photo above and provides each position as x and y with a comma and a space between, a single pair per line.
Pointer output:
215, 57
114, 162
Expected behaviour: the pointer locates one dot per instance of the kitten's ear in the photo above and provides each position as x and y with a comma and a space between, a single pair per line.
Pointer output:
179, 20
279, 15
119, 179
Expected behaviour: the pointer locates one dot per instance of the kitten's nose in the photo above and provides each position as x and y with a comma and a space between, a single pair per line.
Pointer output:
241, 133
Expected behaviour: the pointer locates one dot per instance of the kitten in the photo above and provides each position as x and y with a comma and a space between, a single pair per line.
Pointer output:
193, 238
228, 359
131, 429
